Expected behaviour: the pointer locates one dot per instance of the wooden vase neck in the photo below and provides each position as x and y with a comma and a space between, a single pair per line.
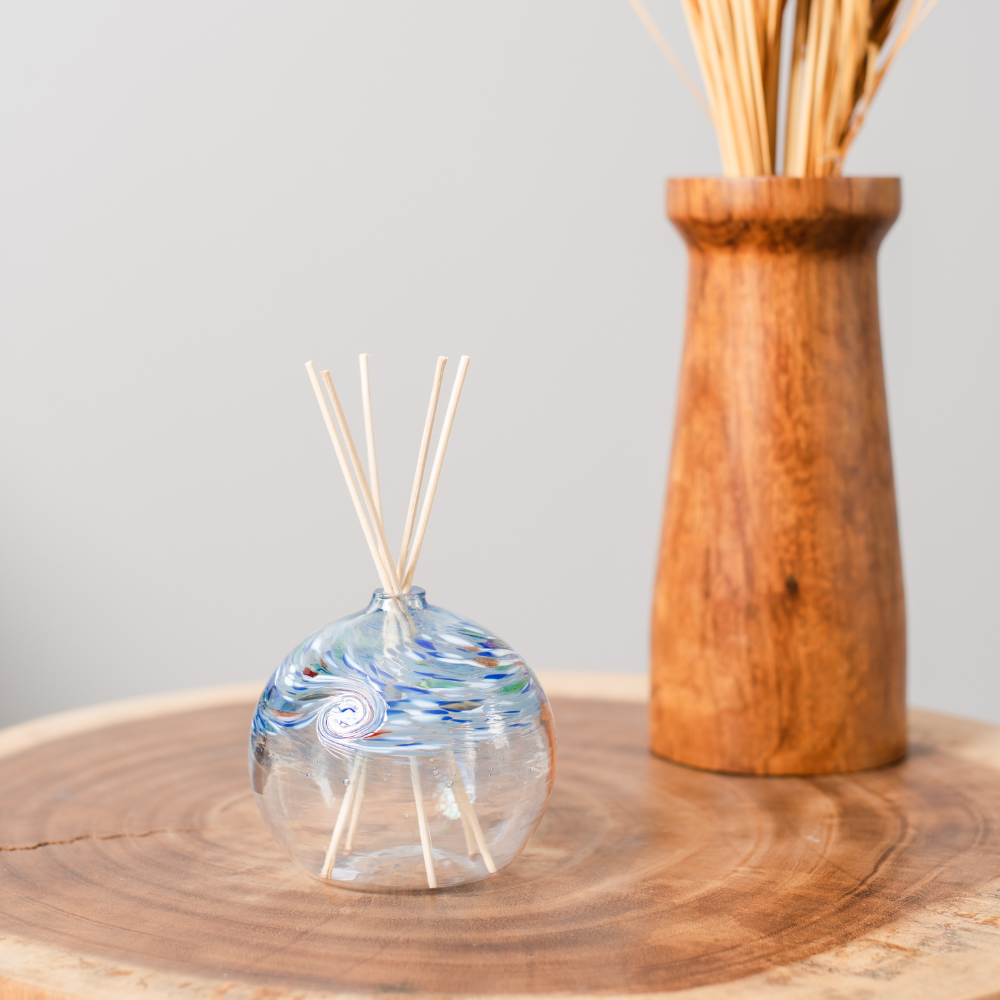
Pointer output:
784, 214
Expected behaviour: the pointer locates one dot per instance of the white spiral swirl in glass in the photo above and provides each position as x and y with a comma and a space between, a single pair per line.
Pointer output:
351, 712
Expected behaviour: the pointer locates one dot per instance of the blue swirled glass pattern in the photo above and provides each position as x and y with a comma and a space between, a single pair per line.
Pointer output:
402, 747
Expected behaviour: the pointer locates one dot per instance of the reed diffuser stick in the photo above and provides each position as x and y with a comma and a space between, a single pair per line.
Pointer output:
467, 810
442, 447
418, 476
366, 406
470, 842
378, 528
359, 798
342, 817
425, 833
344, 468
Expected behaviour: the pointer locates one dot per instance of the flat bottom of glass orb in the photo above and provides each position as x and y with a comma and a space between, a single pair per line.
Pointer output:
402, 869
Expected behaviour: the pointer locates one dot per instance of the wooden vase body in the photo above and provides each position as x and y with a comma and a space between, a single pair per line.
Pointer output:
779, 643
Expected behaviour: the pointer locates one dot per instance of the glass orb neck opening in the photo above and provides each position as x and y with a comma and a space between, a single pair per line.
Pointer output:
415, 599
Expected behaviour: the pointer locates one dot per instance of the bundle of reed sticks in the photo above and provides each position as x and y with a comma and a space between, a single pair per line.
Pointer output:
396, 575
841, 52
397, 578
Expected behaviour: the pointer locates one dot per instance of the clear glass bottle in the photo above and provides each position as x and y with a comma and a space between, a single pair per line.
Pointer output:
402, 747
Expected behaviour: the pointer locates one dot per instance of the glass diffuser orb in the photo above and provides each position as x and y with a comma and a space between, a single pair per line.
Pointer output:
402, 748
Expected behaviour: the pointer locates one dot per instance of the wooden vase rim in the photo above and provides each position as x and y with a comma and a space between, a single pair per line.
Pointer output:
784, 213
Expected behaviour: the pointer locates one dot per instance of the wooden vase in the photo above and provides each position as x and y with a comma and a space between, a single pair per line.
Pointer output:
779, 642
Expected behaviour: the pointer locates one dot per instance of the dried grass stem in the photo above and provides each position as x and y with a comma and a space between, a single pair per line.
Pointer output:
841, 52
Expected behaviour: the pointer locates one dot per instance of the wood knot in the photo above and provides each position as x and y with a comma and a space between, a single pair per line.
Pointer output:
792, 586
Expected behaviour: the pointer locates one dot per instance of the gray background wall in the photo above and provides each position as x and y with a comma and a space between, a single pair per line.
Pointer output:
199, 196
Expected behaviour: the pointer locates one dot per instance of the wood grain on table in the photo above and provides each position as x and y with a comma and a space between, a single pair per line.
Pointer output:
134, 863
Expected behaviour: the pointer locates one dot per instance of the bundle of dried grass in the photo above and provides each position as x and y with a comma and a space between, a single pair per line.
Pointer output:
842, 50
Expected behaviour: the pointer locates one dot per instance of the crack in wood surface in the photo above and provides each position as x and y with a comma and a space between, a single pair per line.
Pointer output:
112, 836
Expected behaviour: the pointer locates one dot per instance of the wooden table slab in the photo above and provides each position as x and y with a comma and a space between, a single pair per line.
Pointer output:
134, 863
